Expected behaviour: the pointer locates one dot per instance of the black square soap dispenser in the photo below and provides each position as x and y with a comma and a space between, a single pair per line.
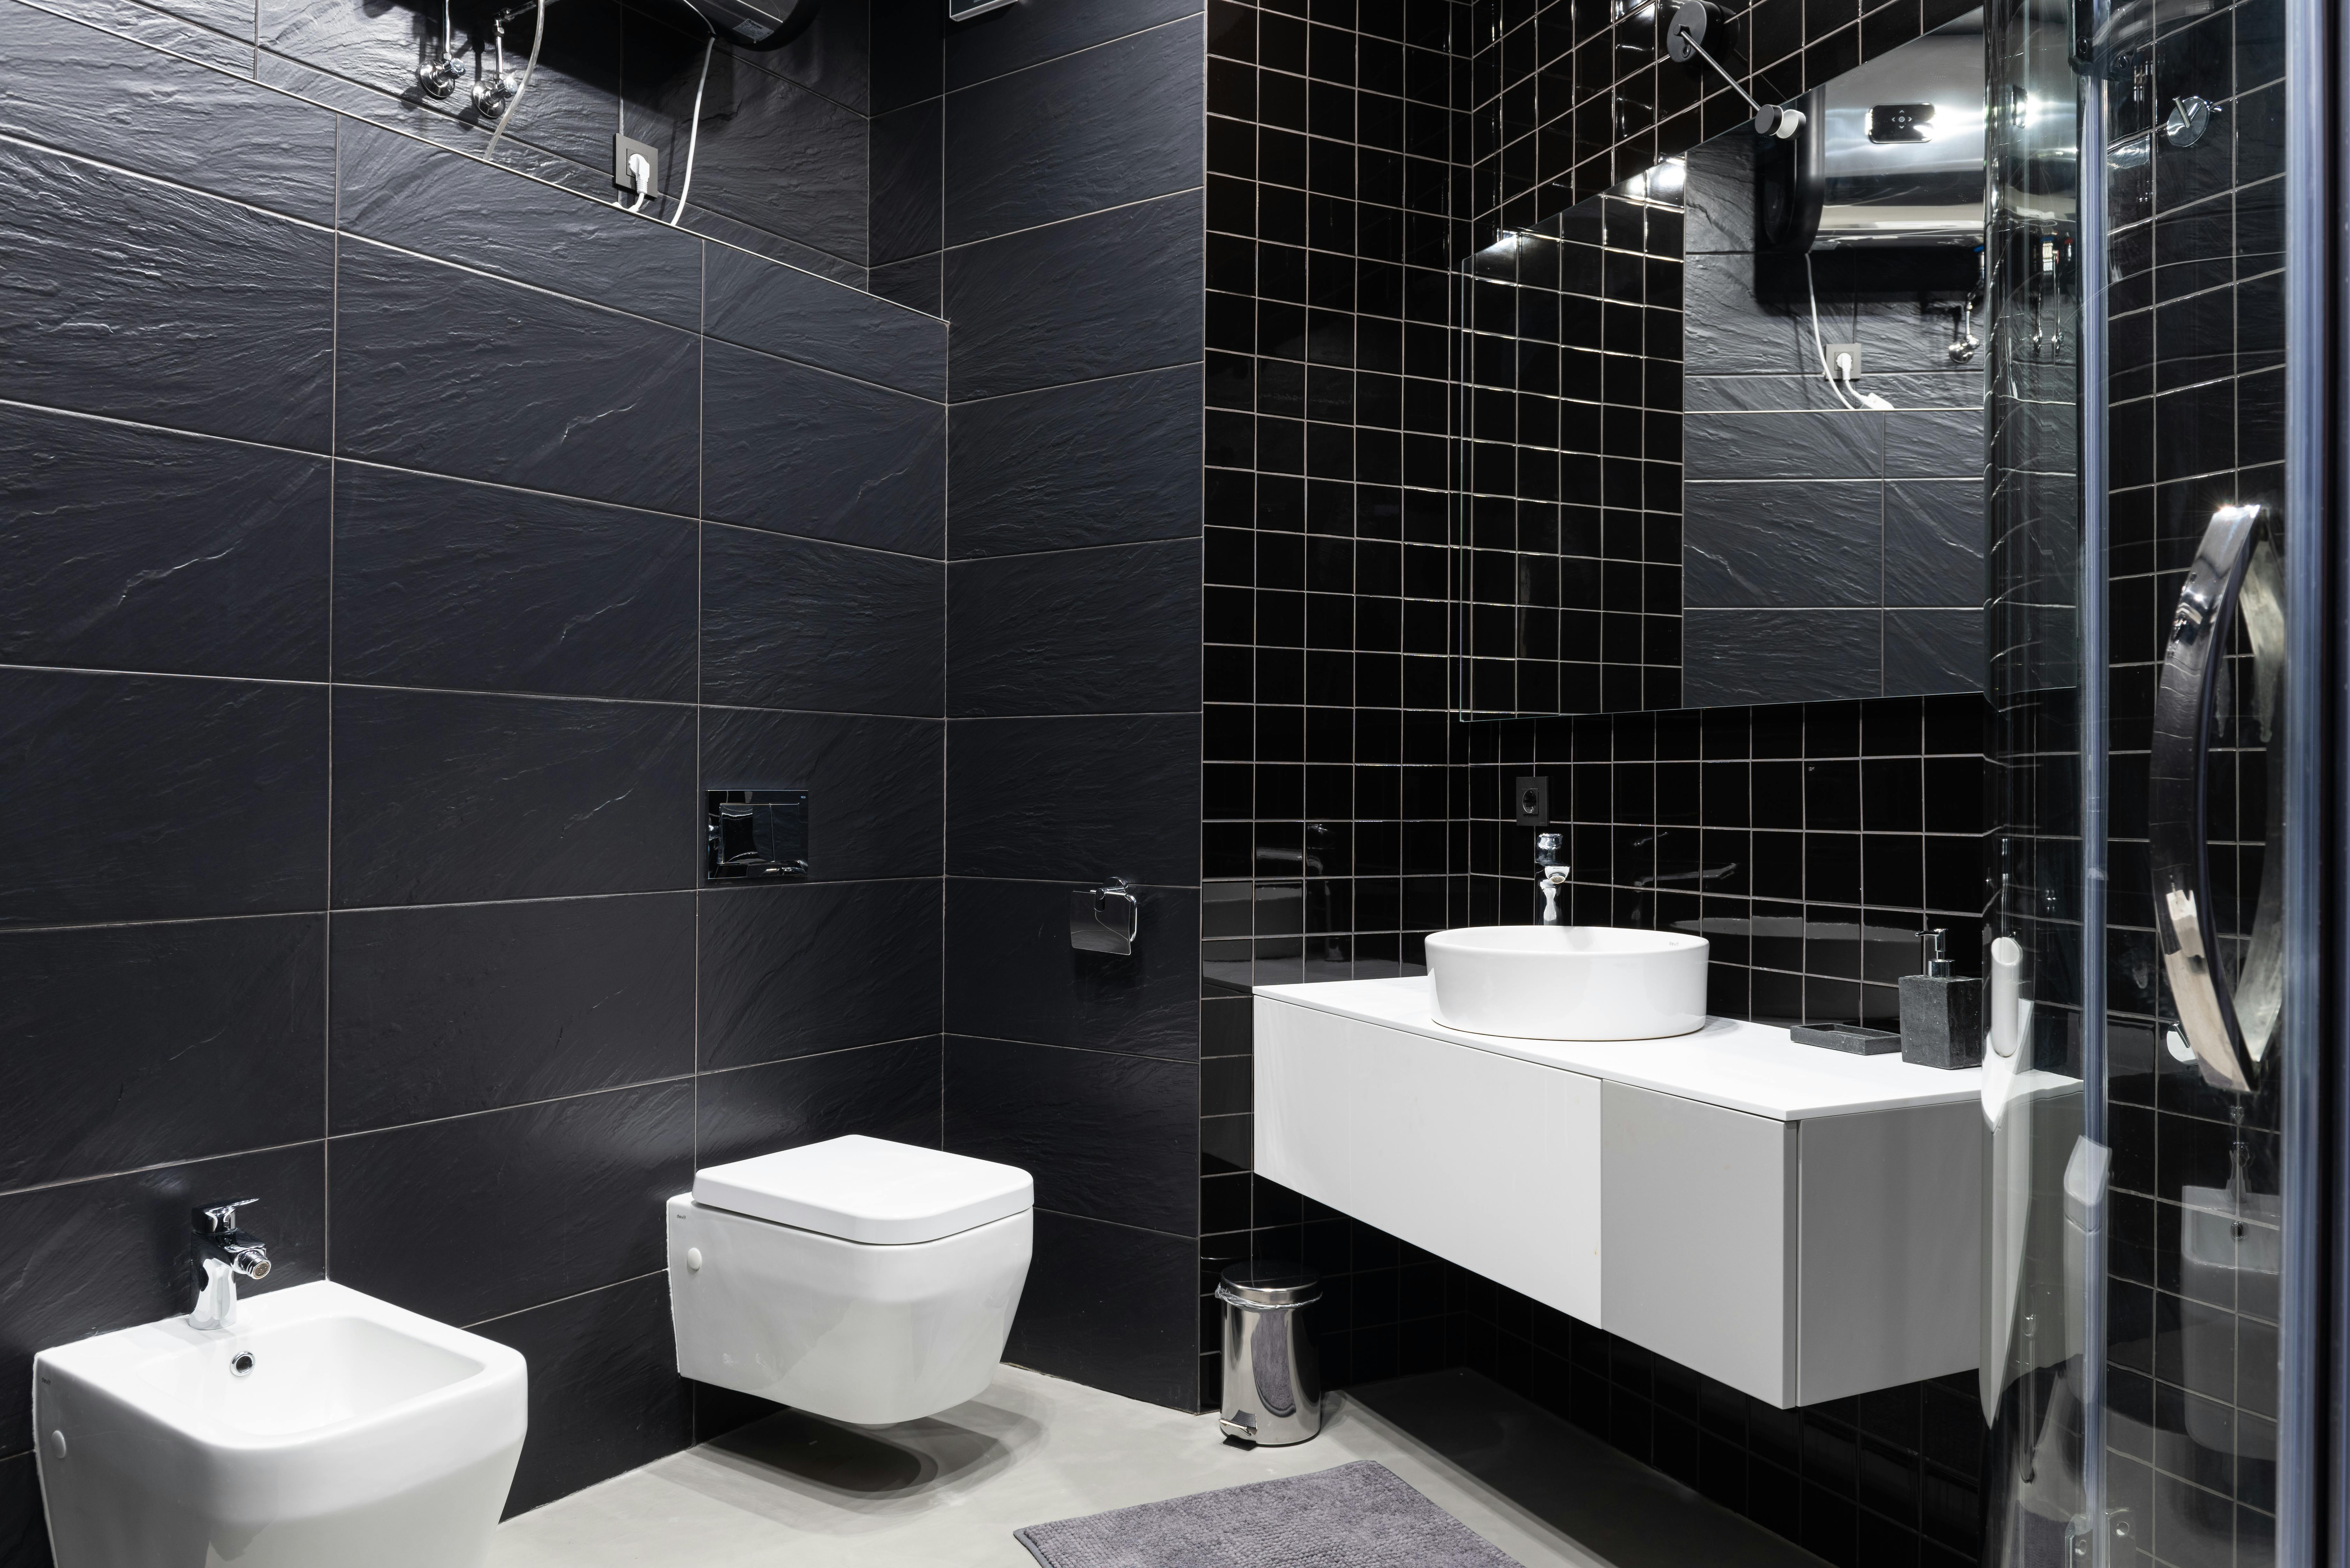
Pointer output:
1941, 1010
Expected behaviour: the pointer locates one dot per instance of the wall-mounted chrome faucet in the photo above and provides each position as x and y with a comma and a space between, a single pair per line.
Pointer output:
438, 79
1547, 848
224, 1252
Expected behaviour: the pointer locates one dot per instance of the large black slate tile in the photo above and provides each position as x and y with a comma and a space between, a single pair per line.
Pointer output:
442, 583
719, 226
142, 549
131, 1044
443, 796
909, 50
1762, 543
564, 1196
1780, 656
771, 153
1116, 124
148, 302
834, 55
1112, 629
408, 192
24, 1530
908, 158
1724, 332
1092, 296
1011, 973
761, 305
1106, 1135
816, 626
1837, 445
1934, 543
86, 91
1933, 650
94, 1256
882, 1091
1718, 197
1076, 799
873, 784
216, 33
792, 971
868, 466
440, 1011
914, 283
1020, 36
1101, 462
605, 1395
446, 369
138, 798
1112, 1307
1934, 444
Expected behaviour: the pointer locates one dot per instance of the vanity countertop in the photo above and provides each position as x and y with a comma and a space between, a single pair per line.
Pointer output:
1741, 1066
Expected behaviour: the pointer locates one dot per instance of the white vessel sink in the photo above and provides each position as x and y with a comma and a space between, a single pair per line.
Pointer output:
327, 1427
1568, 983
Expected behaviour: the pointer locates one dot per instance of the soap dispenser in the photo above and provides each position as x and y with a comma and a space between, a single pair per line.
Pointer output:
1941, 1010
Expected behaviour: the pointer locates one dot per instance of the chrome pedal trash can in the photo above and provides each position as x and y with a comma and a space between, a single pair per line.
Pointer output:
1273, 1381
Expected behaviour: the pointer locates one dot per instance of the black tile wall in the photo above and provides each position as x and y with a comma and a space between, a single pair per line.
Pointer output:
1356, 155
370, 642
1037, 173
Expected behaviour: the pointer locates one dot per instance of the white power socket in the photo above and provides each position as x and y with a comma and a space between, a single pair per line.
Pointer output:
622, 149
1835, 350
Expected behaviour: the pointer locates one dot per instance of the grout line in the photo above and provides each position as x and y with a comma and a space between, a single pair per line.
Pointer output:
7, 1193
1066, 55
1079, 218
479, 1323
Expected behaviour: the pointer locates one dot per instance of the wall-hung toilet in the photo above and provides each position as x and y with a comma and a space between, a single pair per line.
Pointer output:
858, 1279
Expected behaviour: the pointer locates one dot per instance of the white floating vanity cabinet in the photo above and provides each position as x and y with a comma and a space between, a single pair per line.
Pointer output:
1798, 1224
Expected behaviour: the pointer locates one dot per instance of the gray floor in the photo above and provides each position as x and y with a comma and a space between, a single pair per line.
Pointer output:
950, 1490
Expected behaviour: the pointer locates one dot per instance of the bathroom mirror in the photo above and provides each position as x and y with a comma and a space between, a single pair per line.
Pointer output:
1722, 432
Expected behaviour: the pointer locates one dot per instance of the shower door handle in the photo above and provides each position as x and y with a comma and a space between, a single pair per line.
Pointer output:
2228, 1026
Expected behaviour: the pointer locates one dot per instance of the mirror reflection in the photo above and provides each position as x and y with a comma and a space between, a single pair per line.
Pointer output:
1723, 431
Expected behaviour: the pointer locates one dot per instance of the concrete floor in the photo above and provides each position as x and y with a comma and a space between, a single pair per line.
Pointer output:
794, 1490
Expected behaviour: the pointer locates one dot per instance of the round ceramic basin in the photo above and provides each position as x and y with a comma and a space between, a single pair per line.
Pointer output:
1568, 983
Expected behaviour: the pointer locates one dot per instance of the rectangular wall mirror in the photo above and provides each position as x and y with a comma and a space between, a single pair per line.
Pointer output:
1722, 425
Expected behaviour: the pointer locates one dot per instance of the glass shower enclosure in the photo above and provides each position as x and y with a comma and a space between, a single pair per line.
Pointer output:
2151, 1373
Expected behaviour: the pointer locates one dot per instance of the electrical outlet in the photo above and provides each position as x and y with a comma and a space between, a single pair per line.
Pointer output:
1533, 802
1835, 350
623, 178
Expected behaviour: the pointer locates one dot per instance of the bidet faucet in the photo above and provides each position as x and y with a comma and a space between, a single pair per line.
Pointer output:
223, 1251
1553, 875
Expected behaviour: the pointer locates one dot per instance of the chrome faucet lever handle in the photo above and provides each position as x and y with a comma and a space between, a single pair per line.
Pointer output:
220, 1218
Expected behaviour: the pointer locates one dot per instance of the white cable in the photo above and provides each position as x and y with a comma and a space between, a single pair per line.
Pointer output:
537, 33
1817, 346
694, 136
641, 175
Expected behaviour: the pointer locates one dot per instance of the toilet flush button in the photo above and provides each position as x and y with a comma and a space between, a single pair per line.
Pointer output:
694, 1258
57, 1444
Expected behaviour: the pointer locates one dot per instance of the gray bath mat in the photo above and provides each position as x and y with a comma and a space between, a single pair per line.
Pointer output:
1356, 1516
